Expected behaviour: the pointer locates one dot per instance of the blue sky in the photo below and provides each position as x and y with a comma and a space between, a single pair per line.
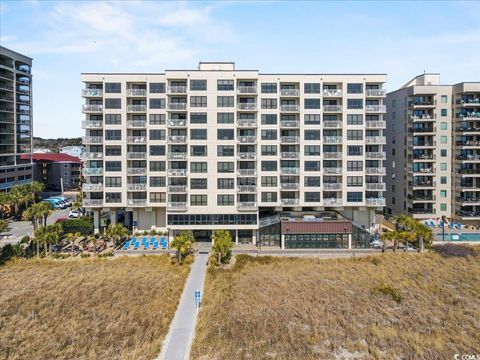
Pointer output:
65, 38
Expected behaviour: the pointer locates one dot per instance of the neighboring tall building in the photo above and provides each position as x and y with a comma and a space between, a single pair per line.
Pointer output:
15, 119
428, 174
223, 148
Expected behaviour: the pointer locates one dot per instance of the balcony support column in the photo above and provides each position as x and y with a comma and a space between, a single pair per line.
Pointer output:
282, 241
113, 217
236, 236
349, 241
96, 221
254, 237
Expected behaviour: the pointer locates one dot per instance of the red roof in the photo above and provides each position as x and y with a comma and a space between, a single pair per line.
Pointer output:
52, 157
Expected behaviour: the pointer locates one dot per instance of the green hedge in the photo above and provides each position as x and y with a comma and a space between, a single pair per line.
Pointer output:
82, 225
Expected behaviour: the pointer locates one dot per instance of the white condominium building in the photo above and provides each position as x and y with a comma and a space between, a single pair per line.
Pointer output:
224, 148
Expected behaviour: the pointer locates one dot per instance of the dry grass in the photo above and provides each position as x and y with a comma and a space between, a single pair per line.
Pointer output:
390, 306
87, 308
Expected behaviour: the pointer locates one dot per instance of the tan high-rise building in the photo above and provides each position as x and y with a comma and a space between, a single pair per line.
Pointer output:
224, 148
15, 119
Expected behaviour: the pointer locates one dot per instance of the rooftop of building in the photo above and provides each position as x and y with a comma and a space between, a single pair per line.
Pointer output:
16, 55
52, 157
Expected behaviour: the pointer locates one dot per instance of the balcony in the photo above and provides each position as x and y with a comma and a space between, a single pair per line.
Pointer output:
93, 155
247, 206
177, 106
376, 124
468, 171
425, 117
420, 211
380, 140
422, 130
332, 139
421, 104
468, 129
290, 155
289, 170
92, 108
136, 171
332, 155
380, 155
375, 187
290, 202
136, 155
332, 108
136, 187
332, 93
332, 124
468, 157
332, 202
93, 140
290, 186
422, 171
137, 108
92, 187
92, 202
247, 172
247, 139
136, 139
177, 172
137, 202
247, 106
332, 171
247, 155
422, 198
423, 184
179, 123
246, 89
246, 123
136, 124
247, 188
467, 143
92, 171
176, 206
177, 139
92, 124
177, 156
177, 89
375, 201
289, 124
290, 139
289, 108
469, 200
177, 188
375, 108
375, 170
92, 92
332, 186
290, 92
376, 92
137, 92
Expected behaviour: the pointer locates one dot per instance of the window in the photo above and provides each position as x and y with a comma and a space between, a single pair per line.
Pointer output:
354, 196
225, 101
356, 150
354, 181
312, 119
443, 166
225, 184
269, 103
354, 134
198, 167
225, 167
157, 103
312, 150
113, 181
157, 134
312, 88
269, 88
443, 152
198, 134
198, 150
157, 119
269, 119
225, 150
157, 88
354, 165
113, 166
269, 134
113, 119
225, 118
269, 181
443, 126
113, 103
312, 103
198, 85
312, 165
354, 104
224, 85
443, 139
157, 181
312, 134
198, 118
312, 181
269, 165
157, 150
198, 184
157, 165
158, 197
355, 119
198, 200
269, 197
113, 87
444, 112
444, 99
225, 134
443, 207
269, 150
225, 200
198, 101
443, 179
443, 193
113, 150
112, 197
113, 134
354, 88
312, 196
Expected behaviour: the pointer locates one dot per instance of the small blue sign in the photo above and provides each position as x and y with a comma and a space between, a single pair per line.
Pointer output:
135, 223
197, 297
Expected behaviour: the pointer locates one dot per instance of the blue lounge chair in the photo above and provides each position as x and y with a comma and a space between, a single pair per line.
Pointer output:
164, 245
126, 245
146, 245
459, 226
155, 245
136, 246
451, 226
152, 240
431, 223
144, 240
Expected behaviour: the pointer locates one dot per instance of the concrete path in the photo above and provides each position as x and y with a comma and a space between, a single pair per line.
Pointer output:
178, 341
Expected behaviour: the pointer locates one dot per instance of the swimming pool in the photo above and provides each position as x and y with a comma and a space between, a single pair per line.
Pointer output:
458, 237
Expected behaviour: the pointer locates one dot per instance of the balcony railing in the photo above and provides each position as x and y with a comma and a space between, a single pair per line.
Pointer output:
92, 202
468, 171
289, 124
137, 202
136, 108
375, 186
290, 139
177, 156
290, 92
290, 155
136, 123
136, 171
376, 92
92, 187
247, 106
177, 172
136, 155
380, 155
332, 202
332, 108
290, 201
332, 92
247, 188
247, 172
376, 140
177, 106
247, 139
332, 171
289, 170
177, 188
136, 187
289, 186
247, 206
136, 92
376, 124
247, 89
176, 206
92, 108
245, 123
469, 157
177, 123
136, 139
93, 155
247, 155
376, 201
375, 108
332, 155
177, 89
332, 186
177, 139
425, 117
375, 170
332, 124
92, 124
332, 139
92, 92
93, 140
290, 108
92, 171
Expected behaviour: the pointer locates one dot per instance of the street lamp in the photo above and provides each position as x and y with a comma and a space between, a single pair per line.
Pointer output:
443, 227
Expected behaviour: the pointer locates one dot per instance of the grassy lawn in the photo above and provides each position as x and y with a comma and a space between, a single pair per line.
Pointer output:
388, 306
87, 308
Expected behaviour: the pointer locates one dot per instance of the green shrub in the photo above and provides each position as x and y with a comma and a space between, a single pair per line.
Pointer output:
60, 256
222, 246
25, 239
105, 254
3, 225
83, 225
84, 255
10, 251
389, 290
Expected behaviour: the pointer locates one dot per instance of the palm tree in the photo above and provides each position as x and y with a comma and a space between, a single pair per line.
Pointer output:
4, 200
72, 237
18, 197
222, 245
45, 210
39, 236
32, 214
52, 235
34, 189
115, 233
183, 243
93, 240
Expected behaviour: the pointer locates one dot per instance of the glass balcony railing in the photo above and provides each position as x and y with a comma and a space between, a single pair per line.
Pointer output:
332, 92
137, 92
332, 139
289, 108
290, 139
289, 170
332, 155
92, 187
290, 92
137, 202
136, 155
136, 187
332, 186
290, 201
92, 92
136, 139
176, 206
177, 188
376, 201
92, 108
290, 186
375, 108
247, 155
177, 106
376, 92
332, 202
290, 155
247, 188
332, 108
92, 202
92, 171
136, 123
247, 206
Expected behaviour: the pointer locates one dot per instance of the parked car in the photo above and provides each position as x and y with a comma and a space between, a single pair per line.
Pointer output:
62, 200
376, 244
56, 203
74, 214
